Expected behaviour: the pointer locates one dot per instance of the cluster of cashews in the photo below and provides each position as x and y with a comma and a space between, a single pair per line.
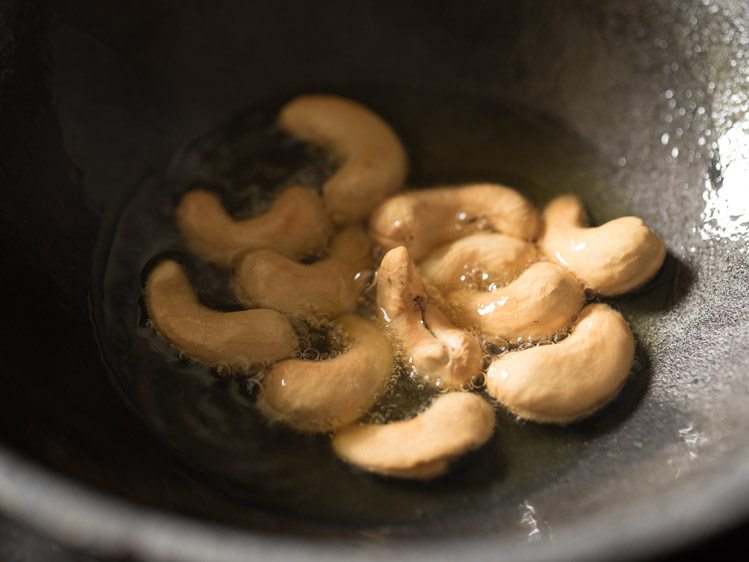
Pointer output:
463, 266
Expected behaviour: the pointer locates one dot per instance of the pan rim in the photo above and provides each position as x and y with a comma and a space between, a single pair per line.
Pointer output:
81, 517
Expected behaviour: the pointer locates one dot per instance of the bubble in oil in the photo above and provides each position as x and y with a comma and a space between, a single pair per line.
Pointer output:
405, 396
366, 282
474, 278
589, 294
524, 344
561, 336
478, 382
467, 223
319, 339
253, 385
495, 346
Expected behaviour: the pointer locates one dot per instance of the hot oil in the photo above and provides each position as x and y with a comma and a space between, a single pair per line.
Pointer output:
208, 417
320, 339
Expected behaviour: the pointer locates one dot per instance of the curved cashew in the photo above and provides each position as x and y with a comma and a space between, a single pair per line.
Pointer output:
295, 225
424, 219
319, 396
564, 382
328, 287
234, 341
538, 304
422, 447
612, 259
501, 258
374, 160
450, 357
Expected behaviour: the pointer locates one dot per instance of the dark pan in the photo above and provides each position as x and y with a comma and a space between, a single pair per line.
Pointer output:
97, 98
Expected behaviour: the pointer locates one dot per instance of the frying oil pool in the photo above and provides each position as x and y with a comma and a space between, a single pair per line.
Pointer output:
208, 418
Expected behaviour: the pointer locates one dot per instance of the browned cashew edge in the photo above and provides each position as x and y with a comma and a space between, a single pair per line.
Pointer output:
502, 258
422, 447
327, 287
319, 396
235, 341
423, 219
569, 380
374, 160
538, 304
611, 259
449, 357
296, 225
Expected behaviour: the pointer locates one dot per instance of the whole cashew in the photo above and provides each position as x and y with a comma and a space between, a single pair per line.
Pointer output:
569, 380
235, 341
423, 219
448, 356
611, 259
319, 396
501, 258
268, 279
538, 304
295, 225
422, 447
374, 160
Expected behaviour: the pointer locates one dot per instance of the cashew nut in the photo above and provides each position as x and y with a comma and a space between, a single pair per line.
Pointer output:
235, 341
538, 304
612, 259
374, 160
423, 219
295, 225
319, 396
569, 380
422, 447
500, 258
268, 279
448, 356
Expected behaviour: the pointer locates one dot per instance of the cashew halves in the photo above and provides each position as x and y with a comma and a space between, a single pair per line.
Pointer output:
235, 341
422, 447
319, 396
268, 279
538, 304
295, 225
374, 160
569, 380
498, 257
611, 259
448, 356
423, 219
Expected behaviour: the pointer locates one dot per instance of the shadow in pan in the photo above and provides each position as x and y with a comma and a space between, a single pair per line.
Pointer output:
667, 289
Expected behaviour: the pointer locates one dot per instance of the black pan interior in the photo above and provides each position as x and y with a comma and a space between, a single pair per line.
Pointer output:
637, 106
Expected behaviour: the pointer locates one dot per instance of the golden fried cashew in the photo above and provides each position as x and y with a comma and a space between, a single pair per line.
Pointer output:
448, 356
423, 219
319, 396
234, 341
422, 447
538, 304
612, 259
501, 258
295, 225
569, 380
374, 160
328, 287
